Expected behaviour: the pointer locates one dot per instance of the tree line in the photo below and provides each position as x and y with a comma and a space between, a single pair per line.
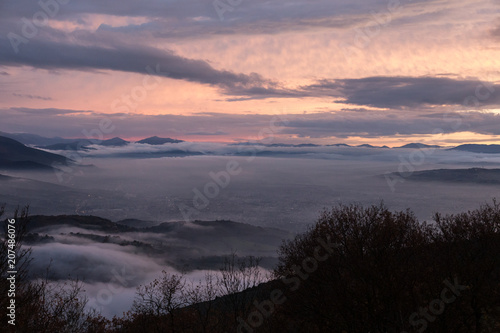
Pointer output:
357, 269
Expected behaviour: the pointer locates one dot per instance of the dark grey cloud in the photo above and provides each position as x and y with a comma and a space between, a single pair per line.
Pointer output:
383, 123
409, 92
249, 126
190, 19
29, 96
50, 111
322, 125
273, 16
137, 59
112, 48
495, 32
151, 8
241, 23
50, 122
52, 49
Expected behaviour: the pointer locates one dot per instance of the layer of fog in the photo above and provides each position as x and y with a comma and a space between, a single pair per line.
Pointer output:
110, 271
288, 191
109, 275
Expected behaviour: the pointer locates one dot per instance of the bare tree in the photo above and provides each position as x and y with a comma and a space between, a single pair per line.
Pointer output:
161, 298
201, 296
235, 279
238, 274
42, 305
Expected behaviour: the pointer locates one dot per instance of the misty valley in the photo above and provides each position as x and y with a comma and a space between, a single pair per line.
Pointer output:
123, 213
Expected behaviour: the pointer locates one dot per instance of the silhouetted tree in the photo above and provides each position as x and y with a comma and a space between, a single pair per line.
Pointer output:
237, 275
469, 247
358, 269
201, 297
372, 270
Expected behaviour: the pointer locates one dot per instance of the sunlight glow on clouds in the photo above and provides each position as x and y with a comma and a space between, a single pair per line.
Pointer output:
263, 58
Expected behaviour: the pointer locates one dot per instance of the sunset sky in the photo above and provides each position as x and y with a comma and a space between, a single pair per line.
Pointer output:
380, 72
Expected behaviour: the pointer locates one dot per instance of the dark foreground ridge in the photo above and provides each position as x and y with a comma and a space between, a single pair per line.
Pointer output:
358, 269
16, 156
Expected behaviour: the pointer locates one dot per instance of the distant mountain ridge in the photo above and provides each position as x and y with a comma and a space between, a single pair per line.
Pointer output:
154, 140
418, 146
83, 144
114, 142
478, 148
59, 143
301, 145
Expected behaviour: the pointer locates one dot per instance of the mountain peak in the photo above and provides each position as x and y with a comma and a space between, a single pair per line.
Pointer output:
155, 140
116, 141
418, 146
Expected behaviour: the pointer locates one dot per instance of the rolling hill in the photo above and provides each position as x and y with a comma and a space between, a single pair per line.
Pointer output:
418, 146
193, 245
16, 156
